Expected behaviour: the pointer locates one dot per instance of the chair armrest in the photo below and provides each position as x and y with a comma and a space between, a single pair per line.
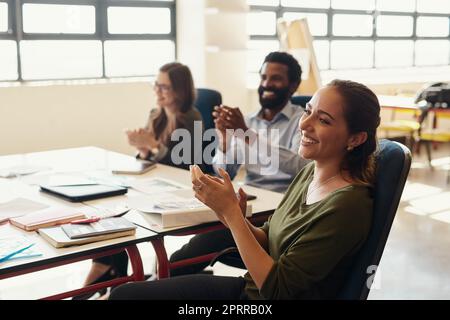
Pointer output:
222, 254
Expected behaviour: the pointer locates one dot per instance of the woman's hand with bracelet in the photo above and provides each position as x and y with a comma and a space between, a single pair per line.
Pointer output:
220, 196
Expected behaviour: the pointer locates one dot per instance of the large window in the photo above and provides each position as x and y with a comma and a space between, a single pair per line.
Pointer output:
60, 39
355, 34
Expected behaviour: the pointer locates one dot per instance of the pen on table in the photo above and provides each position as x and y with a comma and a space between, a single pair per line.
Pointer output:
12, 254
96, 219
86, 221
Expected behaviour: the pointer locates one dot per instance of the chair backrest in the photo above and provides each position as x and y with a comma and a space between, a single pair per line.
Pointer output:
393, 164
205, 102
300, 100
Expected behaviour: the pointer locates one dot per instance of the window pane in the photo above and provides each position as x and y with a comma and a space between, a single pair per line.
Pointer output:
432, 26
122, 20
433, 6
394, 53
397, 5
394, 26
322, 4
137, 57
49, 18
257, 51
261, 23
322, 51
349, 54
432, 52
344, 25
8, 60
3, 17
61, 59
353, 4
263, 2
317, 22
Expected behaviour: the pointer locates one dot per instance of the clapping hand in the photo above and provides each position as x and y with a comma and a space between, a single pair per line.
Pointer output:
229, 118
219, 195
141, 139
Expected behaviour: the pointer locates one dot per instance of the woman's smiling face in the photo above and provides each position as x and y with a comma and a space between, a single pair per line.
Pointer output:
323, 127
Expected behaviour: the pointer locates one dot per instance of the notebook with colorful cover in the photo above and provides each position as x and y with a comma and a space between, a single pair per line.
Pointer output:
47, 217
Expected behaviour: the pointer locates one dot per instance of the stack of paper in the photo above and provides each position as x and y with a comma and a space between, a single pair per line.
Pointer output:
16, 171
17, 247
157, 185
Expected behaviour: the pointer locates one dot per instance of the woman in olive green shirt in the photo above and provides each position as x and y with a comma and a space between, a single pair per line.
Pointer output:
306, 248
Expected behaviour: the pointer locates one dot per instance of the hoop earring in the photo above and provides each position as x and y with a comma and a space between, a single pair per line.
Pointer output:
350, 148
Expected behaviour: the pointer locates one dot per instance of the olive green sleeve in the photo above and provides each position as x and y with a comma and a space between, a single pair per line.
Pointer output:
316, 253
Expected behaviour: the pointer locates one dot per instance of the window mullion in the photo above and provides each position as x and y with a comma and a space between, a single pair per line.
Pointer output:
17, 27
101, 25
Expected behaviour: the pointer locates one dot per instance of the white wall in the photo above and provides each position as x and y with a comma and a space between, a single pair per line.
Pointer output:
190, 38
35, 118
212, 41
45, 117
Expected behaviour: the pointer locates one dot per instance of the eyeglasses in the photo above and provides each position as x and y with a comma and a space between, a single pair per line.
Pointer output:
162, 87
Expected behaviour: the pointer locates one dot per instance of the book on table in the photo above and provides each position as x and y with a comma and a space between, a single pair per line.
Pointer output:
103, 226
78, 234
59, 239
47, 217
175, 209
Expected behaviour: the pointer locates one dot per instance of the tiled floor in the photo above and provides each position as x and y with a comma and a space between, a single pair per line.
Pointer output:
415, 263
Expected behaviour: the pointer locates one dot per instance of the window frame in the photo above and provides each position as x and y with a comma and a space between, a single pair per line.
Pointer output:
8, 35
16, 33
280, 10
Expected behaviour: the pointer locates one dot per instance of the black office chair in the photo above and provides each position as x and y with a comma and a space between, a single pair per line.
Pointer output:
393, 164
300, 100
205, 102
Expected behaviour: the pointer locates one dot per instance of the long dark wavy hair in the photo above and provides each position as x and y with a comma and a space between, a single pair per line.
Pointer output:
183, 87
362, 114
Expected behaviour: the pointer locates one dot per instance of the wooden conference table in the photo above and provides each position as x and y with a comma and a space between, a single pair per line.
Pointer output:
97, 162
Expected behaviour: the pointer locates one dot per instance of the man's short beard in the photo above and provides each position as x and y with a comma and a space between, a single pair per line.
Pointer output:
281, 96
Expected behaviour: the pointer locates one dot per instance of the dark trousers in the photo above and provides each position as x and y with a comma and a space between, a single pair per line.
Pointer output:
202, 244
118, 262
198, 245
191, 287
